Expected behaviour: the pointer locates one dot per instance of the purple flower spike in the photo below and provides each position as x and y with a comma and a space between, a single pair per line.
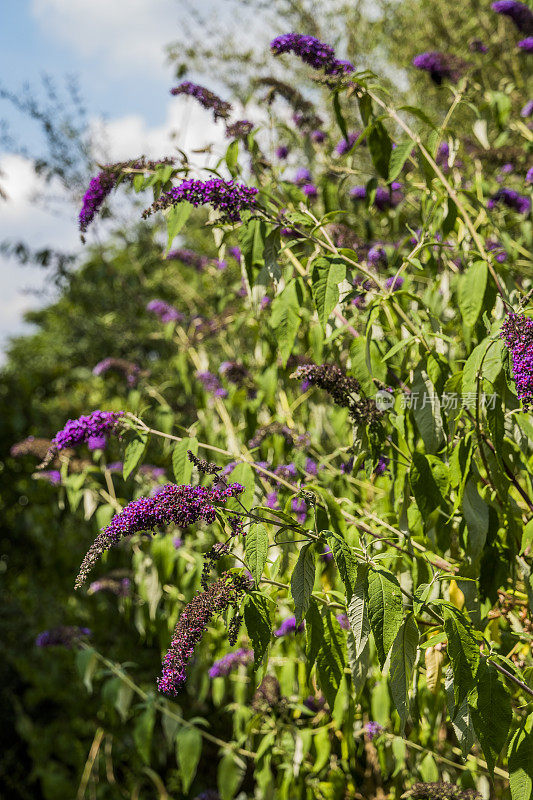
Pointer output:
207, 99
180, 505
211, 384
441, 66
520, 14
231, 661
62, 636
382, 465
79, 431
394, 283
527, 110
299, 506
312, 51
99, 188
228, 197
282, 152
517, 333
345, 145
310, 191
510, 198
318, 136
526, 45
377, 256
373, 729
164, 311
343, 621
529, 175
288, 626
196, 616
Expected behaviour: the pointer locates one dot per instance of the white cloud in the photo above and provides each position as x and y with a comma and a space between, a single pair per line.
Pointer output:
127, 34
187, 126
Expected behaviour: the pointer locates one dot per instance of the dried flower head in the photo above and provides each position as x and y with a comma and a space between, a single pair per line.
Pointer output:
439, 790
206, 467
239, 129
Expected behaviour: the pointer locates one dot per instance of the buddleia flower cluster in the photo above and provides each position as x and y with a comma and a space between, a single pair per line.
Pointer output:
231, 661
196, 616
128, 369
441, 66
62, 636
228, 197
521, 15
180, 505
239, 129
207, 99
512, 199
165, 311
312, 51
91, 429
344, 390
517, 332
102, 185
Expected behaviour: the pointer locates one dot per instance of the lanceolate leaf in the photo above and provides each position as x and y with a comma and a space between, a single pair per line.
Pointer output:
176, 217
463, 651
314, 635
285, 319
256, 549
492, 715
476, 514
359, 664
384, 609
471, 292
345, 560
330, 659
380, 147
427, 411
188, 752
424, 485
402, 659
520, 755
358, 611
257, 621
302, 581
327, 274
461, 718
134, 452
398, 157
181, 465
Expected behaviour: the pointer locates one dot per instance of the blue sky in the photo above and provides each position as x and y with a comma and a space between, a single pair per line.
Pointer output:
115, 49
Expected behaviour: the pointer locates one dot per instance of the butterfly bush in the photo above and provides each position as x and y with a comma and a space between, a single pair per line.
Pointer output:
96, 425
441, 66
165, 311
520, 13
225, 665
62, 636
517, 333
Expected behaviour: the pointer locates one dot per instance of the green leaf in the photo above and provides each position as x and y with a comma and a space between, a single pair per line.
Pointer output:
271, 251
461, 719
359, 664
398, 157
87, 662
252, 242
232, 157
463, 651
402, 659
188, 752
427, 411
471, 292
520, 761
476, 514
380, 147
181, 465
345, 560
135, 450
314, 635
491, 714
338, 115
489, 366
419, 114
231, 771
327, 274
285, 319
423, 484
330, 659
257, 621
358, 611
303, 580
143, 732
256, 549
176, 217
448, 223
385, 609
243, 474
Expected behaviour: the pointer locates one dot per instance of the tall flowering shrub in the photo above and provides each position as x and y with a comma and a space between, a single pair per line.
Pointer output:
364, 480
